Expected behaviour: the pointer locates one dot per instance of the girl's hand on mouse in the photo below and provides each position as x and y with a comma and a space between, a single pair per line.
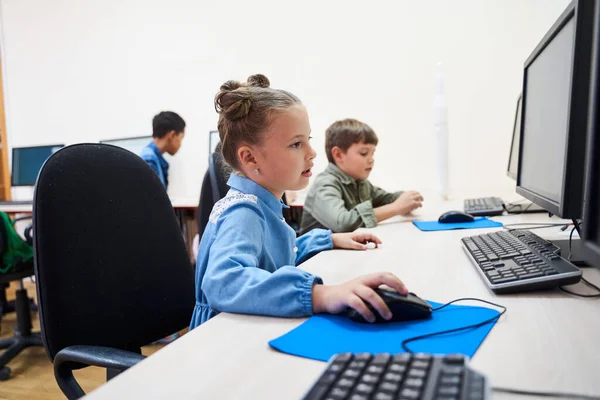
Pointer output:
354, 240
408, 202
334, 299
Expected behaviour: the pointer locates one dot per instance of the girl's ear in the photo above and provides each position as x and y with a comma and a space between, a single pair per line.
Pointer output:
246, 159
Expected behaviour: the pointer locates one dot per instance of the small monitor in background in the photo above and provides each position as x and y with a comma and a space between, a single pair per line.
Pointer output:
513, 158
133, 144
213, 140
591, 215
27, 162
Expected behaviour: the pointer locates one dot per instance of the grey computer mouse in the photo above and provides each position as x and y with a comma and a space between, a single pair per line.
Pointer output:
403, 308
452, 217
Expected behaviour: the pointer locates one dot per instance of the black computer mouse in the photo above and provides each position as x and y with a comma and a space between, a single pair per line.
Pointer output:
403, 308
452, 217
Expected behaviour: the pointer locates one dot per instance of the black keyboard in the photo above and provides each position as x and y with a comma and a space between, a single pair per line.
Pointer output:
484, 206
519, 260
403, 376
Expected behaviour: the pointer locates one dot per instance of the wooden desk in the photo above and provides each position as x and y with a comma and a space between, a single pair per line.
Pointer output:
545, 341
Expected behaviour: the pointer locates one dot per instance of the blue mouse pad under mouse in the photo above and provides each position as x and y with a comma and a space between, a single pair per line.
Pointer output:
480, 222
322, 336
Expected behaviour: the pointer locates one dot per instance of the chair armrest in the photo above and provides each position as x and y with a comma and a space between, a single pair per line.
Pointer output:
80, 356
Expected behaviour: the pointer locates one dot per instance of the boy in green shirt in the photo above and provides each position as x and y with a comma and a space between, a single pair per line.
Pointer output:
341, 198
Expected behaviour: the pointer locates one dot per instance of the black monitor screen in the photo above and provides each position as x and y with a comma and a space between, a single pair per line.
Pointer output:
547, 95
27, 162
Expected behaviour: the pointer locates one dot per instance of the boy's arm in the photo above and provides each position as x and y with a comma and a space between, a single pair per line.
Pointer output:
380, 197
329, 209
152, 164
312, 243
234, 281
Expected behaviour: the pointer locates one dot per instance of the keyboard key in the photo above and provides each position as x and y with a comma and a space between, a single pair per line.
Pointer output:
338, 393
448, 390
454, 359
369, 378
391, 377
420, 364
329, 377
402, 358
362, 357
375, 369
410, 394
381, 359
398, 368
343, 357
364, 388
345, 383
383, 396
497, 281
417, 373
450, 379
389, 387
415, 383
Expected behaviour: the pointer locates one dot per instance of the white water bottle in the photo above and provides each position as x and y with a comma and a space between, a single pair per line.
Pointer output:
440, 127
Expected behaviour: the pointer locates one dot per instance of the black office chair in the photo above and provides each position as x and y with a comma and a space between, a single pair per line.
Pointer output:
111, 266
214, 188
23, 337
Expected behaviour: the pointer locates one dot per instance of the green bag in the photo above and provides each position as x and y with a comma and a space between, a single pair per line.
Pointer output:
16, 250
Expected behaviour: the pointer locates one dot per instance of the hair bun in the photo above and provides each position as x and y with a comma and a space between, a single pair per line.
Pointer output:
230, 86
233, 100
259, 80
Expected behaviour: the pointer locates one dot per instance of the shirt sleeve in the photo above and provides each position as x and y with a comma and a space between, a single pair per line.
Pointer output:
234, 280
329, 209
152, 164
380, 197
312, 243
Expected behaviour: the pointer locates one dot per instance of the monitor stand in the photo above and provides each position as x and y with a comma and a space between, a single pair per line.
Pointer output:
524, 208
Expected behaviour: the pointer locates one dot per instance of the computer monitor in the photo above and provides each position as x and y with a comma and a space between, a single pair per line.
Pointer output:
554, 114
213, 140
513, 157
27, 162
591, 214
133, 144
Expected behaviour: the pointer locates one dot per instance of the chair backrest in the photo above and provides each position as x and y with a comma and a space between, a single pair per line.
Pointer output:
110, 261
214, 188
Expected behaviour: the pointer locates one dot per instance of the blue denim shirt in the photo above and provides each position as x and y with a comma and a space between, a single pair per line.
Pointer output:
157, 162
248, 256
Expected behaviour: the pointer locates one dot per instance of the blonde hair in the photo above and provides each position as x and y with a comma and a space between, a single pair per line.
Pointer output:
245, 110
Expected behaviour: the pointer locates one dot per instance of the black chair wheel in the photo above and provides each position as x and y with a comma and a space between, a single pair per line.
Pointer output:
4, 373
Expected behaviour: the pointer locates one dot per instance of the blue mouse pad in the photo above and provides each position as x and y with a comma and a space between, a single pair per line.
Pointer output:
480, 222
322, 336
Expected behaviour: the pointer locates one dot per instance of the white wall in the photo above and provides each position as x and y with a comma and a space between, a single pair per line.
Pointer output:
86, 70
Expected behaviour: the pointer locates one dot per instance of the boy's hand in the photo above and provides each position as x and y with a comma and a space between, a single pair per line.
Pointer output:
408, 201
354, 240
354, 294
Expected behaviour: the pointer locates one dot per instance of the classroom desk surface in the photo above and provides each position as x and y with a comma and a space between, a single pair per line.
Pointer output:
546, 340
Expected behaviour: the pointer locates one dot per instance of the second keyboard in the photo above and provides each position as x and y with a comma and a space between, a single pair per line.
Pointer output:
519, 260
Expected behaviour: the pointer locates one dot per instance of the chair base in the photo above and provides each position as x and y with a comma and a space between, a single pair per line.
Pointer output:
23, 336
14, 346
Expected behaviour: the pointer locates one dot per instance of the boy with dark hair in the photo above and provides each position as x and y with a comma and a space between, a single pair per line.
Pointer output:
168, 130
342, 199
